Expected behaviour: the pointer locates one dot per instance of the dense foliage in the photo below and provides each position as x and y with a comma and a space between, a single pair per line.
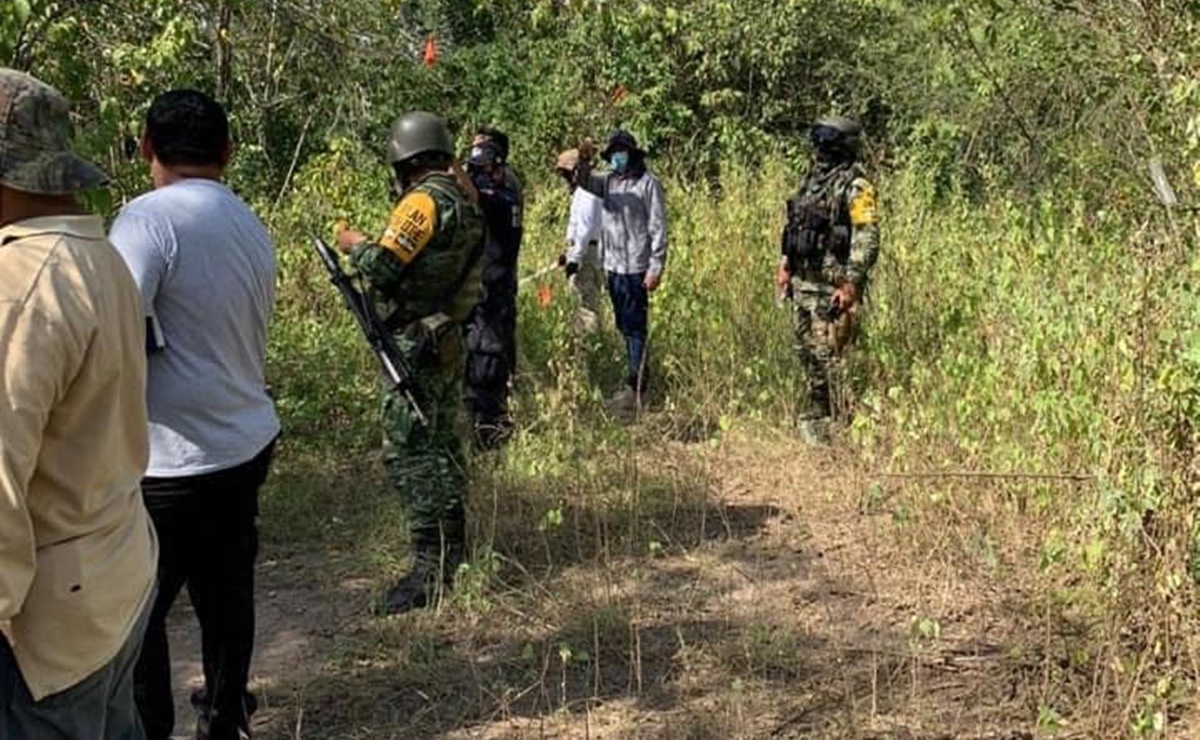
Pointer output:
1036, 306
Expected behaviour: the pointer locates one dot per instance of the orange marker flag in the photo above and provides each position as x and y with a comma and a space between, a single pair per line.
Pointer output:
430, 51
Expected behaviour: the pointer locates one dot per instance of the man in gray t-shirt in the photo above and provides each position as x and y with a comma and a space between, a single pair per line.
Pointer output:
205, 267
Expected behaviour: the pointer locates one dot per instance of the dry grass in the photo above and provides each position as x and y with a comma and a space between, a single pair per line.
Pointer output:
741, 588
691, 577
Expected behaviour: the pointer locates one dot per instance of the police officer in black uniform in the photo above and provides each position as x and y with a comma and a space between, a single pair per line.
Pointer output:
491, 331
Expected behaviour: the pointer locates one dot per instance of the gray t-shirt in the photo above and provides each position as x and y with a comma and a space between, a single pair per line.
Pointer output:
205, 267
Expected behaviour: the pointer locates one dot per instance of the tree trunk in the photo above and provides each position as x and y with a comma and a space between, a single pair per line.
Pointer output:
224, 51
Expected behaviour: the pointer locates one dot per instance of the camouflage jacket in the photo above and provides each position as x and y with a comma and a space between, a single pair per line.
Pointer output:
426, 262
832, 231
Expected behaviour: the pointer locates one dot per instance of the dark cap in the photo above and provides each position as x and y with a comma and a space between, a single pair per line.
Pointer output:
620, 138
35, 136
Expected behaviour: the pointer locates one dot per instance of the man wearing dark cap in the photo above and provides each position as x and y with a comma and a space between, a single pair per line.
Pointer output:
77, 550
633, 238
492, 329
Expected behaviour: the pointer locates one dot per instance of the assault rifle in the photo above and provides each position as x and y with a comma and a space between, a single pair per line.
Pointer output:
394, 367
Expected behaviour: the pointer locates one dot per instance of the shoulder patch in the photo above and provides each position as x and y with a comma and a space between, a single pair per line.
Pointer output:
863, 210
410, 227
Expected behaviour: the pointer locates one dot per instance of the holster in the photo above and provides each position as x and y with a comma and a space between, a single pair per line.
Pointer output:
437, 338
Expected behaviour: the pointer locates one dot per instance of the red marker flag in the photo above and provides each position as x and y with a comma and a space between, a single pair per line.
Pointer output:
430, 51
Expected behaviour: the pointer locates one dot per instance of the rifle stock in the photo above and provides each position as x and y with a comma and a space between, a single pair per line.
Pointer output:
393, 364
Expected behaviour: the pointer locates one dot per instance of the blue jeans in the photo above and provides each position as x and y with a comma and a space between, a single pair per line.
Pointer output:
631, 309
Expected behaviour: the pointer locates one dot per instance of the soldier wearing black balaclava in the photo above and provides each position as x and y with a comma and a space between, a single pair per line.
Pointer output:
829, 245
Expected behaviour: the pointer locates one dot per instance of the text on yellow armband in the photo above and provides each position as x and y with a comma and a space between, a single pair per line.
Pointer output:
410, 227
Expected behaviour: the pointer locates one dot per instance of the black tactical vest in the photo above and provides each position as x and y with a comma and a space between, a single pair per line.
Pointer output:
818, 221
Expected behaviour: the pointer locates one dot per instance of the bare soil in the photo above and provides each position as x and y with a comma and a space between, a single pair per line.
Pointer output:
295, 623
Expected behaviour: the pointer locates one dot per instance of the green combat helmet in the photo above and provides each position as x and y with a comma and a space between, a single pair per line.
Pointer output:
837, 134
416, 133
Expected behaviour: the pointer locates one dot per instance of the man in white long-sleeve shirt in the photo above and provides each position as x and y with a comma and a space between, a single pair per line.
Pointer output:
581, 259
633, 236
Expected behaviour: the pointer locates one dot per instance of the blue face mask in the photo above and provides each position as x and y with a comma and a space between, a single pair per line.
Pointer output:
620, 161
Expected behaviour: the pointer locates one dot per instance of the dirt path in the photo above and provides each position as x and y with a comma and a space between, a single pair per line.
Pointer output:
295, 625
796, 614
805, 619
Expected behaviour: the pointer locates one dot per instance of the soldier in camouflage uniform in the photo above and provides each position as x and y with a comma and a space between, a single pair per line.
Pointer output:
829, 245
423, 274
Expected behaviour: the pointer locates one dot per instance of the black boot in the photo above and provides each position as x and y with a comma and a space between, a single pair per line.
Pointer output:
491, 433
435, 561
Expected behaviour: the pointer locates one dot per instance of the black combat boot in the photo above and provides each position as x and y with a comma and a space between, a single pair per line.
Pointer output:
492, 432
436, 558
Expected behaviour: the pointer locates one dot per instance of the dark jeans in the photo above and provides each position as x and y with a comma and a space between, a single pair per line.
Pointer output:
208, 540
100, 707
631, 308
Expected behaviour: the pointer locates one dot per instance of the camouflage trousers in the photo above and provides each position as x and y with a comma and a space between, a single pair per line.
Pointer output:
819, 345
427, 464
